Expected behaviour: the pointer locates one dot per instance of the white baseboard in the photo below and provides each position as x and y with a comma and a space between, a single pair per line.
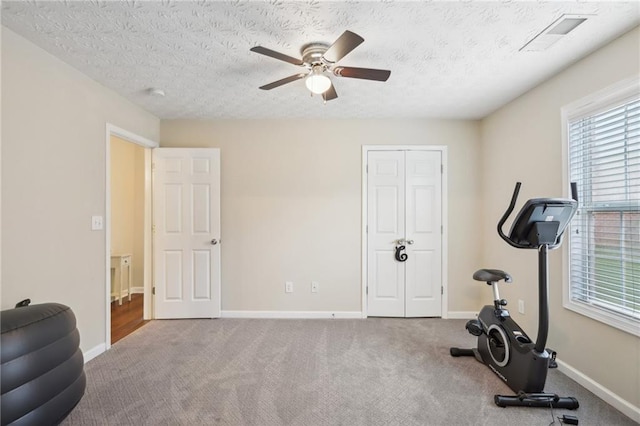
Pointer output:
600, 391
291, 314
94, 352
462, 315
125, 293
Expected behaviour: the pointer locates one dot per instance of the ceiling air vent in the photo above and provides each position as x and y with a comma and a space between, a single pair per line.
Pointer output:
554, 32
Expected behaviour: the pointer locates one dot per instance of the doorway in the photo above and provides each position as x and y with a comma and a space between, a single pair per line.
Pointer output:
127, 231
127, 237
404, 199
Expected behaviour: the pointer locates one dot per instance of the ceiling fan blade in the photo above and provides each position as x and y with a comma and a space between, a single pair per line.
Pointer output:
342, 46
330, 93
277, 55
363, 73
283, 81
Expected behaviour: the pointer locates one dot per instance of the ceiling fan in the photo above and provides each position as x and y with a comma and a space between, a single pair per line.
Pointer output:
320, 59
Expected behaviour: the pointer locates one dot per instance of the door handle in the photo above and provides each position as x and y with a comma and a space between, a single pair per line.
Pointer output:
402, 241
214, 242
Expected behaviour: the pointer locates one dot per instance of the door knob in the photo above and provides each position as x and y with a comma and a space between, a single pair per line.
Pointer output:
214, 242
402, 241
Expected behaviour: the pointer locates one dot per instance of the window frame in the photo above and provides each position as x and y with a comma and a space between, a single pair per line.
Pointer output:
621, 92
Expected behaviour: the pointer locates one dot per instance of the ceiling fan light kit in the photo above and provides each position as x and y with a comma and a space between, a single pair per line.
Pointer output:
320, 59
317, 82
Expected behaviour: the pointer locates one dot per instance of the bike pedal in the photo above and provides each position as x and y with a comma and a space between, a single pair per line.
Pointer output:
552, 359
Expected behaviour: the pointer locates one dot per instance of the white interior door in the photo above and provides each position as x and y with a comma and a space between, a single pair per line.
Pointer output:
385, 211
404, 207
423, 226
186, 207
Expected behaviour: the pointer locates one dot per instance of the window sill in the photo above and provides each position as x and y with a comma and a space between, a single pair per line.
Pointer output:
625, 324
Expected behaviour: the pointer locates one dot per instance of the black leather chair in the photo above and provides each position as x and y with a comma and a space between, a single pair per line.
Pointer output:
42, 369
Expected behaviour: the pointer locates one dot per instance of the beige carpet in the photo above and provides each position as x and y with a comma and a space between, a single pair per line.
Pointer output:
307, 372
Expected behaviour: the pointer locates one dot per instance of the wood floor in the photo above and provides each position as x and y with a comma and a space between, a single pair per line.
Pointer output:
126, 318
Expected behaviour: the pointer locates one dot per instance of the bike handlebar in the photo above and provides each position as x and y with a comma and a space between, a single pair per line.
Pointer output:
506, 215
574, 191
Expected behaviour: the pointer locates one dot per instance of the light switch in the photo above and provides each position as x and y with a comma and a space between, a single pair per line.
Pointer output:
96, 223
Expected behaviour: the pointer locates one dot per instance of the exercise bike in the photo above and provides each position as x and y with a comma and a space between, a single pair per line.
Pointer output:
502, 345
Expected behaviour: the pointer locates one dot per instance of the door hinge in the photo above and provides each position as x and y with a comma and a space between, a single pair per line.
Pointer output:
367, 168
153, 291
441, 229
441, 169
441, 290
153, 229
153, 166
367, 290
367, 229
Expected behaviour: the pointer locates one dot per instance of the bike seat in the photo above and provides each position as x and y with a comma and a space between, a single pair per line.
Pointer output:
491, 275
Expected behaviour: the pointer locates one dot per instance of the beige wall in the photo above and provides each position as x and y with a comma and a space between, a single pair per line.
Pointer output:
53, 181
523, 141
127, 205
291, 205
1, 303
139, 177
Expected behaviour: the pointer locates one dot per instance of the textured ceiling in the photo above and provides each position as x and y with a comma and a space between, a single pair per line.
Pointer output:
447, 59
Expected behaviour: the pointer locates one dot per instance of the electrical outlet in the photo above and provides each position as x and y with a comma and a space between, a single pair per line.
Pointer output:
521, 306
288, 287
314, 286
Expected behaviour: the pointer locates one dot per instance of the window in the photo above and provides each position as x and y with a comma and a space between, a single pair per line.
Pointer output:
603, 139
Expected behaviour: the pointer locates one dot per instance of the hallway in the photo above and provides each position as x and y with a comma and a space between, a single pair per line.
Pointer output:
126, 318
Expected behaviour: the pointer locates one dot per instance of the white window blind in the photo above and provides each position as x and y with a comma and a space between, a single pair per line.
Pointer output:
604, 248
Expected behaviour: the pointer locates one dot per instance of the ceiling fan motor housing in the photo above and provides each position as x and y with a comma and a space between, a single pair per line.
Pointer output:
312, 54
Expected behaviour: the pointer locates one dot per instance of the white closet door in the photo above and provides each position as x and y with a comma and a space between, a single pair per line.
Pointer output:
423, 226
404, 205
386, 201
